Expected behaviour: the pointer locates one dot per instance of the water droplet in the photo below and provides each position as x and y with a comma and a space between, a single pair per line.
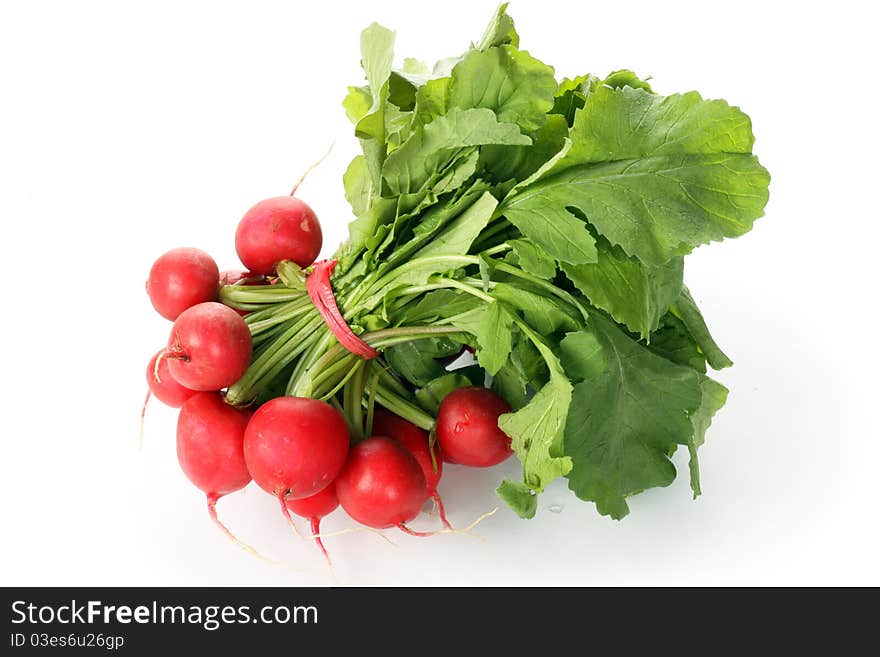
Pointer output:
555, 508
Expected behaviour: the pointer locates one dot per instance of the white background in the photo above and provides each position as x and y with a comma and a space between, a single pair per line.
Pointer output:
130, 128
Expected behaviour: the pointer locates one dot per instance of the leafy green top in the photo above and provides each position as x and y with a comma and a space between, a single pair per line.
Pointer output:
545, 224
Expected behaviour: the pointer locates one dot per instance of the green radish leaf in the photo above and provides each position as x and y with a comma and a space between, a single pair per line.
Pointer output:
536, 430
633, 293
600, 178
403, 85
366, 230
416, 361
582, 355
572, 96
656, 175
686, 309
550, 226
356, 181
432, 100
377, 52
517, 163
512, 384
514, 85
500, 31
456, 174
438, 304
419, 227
430, 148
673, 342
457, 237
542, 313
533, 260
625, 124
530, 362
398, 125
519, 497
714, 396
625, 78
627, 415
440, 255
357, 103
448, 178
492, 325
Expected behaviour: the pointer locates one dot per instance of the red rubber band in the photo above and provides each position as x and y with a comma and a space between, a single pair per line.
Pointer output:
321, 294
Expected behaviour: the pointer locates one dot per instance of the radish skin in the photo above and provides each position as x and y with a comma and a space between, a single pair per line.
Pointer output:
276, 229
382, 484
209, 347
210, 450
294, 447
210, 443
467, 427
180, 279
386, 423
163, 386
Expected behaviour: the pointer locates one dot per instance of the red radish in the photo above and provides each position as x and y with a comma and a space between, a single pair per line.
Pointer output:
295, 447
163, 386
276, 229
209, 347
210, 443
386, 423
467, 427
321, 504
210, 439
382, 484
180, 279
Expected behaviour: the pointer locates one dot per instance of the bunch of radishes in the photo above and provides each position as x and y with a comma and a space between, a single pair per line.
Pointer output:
299, 450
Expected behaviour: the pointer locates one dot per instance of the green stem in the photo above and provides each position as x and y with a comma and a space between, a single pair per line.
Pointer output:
271, 361
418, 289
495, 250
264, 319
272, 309
271, 334
477, 283
299, 384
446, 283
385, 375
354, 392
371, 400
404, 408
233, 294
408, 294
329, 374
546, 285
249, 308
332, 392
323, 357
371, 288
291, 274
390, 336
464, 287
